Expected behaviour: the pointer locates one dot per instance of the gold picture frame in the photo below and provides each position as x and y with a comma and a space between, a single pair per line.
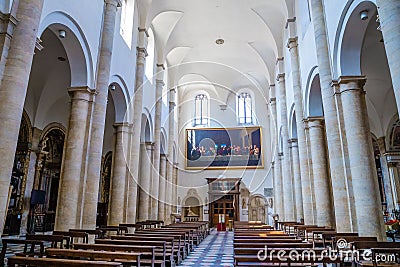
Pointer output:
224, 148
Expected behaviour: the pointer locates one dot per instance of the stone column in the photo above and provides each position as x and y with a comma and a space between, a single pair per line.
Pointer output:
288, 207
333, 136
118, 178
361, 160
145, 179
175, 189
8, 22
278, 187
297, 179
14, 84
389, 17
67, 203
137, 122
162, 185
394, 186
385, 174
170, 164
157, 144
307, 200
99, 115
320, 171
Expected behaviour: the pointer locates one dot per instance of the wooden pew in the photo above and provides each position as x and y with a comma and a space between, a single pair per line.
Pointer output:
172, 243
30, 261
80, 236
127, 258
57, 241
161, 254
377, 248
148, 253
97, 233
182, 238
26, 243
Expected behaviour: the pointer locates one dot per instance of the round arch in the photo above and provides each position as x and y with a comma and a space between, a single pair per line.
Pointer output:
75, 45
350, 37
120, 96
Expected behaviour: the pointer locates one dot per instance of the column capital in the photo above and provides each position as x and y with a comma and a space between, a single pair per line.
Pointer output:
163, 156
292, 141
81, 93
349, 83
280, 154
292, 42
160, 65
141, 51
272, 163
381, 144
7, 24
122, 126
280, 77
116, 3
272, 100
312, 122
148, 145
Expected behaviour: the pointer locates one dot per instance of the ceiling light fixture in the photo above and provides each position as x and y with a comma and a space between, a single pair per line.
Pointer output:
364, 15
219, 41
62, 34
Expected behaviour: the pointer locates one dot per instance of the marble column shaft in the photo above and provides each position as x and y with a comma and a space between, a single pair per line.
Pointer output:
175, 189
118, 178
385, 174
145, 180
13, 87
394, 185
157, 150
170, 163
288, 204
297, 179
389, 17
278, 187
8, 22
162, 185
307, 200
68, 196
322, 191
135, 140
336, 163
362, 162
99, 115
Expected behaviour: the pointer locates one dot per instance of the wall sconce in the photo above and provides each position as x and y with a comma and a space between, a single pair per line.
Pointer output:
364, 15
62, 34
112, 87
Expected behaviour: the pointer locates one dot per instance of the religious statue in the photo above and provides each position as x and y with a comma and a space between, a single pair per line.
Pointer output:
244, 206
190, 213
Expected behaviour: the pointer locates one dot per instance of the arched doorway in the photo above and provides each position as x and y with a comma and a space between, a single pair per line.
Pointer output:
192, 209
104, 194
47, 177
257, 208
18, 178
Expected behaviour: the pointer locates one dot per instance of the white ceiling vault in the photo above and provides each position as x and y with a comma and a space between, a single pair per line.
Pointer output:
186, 33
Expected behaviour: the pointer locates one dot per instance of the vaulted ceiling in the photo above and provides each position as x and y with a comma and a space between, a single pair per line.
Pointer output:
186, 34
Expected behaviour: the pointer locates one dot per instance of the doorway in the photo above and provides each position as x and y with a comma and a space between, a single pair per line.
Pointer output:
224, 197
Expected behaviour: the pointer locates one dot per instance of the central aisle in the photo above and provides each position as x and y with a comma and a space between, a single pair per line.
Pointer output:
216, 250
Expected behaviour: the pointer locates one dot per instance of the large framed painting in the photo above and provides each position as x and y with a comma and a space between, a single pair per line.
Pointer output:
221, 148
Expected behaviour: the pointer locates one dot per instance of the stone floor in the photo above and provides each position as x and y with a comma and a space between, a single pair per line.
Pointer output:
216, 251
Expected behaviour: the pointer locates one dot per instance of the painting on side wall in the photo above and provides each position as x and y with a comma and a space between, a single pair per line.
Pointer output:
222, 148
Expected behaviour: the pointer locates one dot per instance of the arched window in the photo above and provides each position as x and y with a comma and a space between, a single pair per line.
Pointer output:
126, 24
244, 108
201, 110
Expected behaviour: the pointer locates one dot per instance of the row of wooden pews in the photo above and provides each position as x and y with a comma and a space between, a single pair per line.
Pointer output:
147, 243
256, 244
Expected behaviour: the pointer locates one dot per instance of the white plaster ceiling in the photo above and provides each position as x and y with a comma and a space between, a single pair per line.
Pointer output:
186, 32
